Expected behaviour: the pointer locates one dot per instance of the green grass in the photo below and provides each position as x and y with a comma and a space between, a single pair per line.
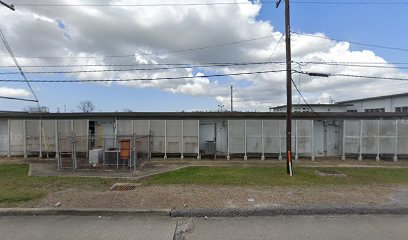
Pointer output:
16, 187
276, 176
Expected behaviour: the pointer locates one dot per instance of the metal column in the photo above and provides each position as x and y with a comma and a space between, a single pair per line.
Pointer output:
228, 140
245, 140
198, 140
312, 143
396, 141
377, 158
40, 128
182, 140
343, 157
9, 139
360, 156
263, 142
148, 138
25, 138
280, 142
165, 139
57, 156
296, 141
87, 138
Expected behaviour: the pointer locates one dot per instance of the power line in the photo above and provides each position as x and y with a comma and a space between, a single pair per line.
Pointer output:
139, 5
352, 75
4, 40
353, 42
304, 100
207, 4
19, 99
139, 79
387, 66
154, 53
267, 62
134, 69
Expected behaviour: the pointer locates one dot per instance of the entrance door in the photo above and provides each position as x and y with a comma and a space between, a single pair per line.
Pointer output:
207, 133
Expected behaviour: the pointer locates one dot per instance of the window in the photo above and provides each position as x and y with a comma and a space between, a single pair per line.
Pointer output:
401, 109
352, 110
372, 110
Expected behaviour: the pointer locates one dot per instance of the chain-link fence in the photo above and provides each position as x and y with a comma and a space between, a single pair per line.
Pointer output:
102, 152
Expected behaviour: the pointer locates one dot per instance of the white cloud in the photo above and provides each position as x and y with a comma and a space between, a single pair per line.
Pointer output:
141, 31
13, 92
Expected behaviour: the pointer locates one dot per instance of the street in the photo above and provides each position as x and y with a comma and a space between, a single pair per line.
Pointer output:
283, 227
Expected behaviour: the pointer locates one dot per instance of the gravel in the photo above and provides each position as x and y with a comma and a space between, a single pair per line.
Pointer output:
191, 196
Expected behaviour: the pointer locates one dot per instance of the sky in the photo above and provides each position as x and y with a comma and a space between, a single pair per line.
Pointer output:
159, 44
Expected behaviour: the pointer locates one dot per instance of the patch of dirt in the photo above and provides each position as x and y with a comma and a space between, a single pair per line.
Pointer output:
189, 196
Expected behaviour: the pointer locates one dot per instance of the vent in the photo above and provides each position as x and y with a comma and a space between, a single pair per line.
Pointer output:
124, 187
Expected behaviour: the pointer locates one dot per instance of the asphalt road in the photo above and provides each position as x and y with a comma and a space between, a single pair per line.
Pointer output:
89, 228
302, 227
284, 227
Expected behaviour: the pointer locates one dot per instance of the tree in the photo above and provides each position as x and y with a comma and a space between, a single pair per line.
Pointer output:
86, 106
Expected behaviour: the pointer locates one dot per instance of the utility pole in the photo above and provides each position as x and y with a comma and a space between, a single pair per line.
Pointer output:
11, 6
288, 89
232, 106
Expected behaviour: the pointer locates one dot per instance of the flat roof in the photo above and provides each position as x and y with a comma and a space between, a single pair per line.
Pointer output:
315, 105
202, 115
374, 98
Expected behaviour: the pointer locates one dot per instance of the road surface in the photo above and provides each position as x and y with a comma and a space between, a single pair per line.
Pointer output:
354, 227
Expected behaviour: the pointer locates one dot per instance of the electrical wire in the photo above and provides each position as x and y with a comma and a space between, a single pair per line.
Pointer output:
353, 42
267, 62
18, 99
132, 69
4, 40
354, 76
304, 100
139, 79
150, 54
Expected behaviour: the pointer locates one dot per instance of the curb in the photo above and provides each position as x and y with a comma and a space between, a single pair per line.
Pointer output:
288, 211
82, 212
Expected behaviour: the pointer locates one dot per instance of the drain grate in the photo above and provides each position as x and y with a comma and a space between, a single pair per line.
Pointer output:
124, 187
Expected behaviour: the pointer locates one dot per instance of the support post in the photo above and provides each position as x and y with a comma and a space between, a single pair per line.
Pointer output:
25, 138
182, 140
73, 139
263, 141
117, 143
296, 141
396, 141
312, 143
8, 139
165, 139
245, 140
343, 157
57, 156
377, 158
228, 140
280, 142
198, 140
87, 138
149, 134
40, 134
360, 156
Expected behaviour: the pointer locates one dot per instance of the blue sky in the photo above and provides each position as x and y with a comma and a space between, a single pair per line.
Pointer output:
374, 24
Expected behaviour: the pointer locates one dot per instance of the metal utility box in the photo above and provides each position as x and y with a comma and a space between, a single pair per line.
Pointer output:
95, 156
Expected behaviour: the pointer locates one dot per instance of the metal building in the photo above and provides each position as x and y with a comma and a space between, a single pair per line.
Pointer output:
78, 140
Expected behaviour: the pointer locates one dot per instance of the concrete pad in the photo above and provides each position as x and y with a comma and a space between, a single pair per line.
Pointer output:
82, 227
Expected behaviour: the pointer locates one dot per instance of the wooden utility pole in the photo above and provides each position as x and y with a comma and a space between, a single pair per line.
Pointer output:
288, 89
11, 6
